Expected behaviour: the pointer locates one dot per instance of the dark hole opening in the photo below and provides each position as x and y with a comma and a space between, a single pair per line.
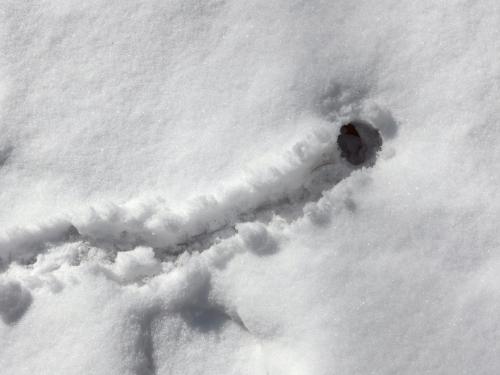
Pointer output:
359, 142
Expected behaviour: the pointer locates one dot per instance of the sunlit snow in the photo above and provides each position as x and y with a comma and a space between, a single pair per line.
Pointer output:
249, 187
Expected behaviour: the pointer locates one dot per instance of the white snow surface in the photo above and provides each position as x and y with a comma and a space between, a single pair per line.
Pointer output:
172, 199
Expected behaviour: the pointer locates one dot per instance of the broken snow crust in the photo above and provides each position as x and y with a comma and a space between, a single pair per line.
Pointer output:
173, 200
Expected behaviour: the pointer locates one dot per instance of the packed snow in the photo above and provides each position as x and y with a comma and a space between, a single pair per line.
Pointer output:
249, 187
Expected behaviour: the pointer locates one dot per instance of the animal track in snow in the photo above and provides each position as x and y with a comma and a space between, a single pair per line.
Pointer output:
241, 216
312, 166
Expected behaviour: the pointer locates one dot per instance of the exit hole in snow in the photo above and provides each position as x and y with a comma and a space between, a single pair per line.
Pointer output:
359, 142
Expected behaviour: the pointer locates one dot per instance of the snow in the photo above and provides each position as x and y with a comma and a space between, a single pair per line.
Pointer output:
174, 200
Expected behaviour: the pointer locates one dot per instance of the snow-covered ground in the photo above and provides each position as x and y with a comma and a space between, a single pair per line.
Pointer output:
173, 199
